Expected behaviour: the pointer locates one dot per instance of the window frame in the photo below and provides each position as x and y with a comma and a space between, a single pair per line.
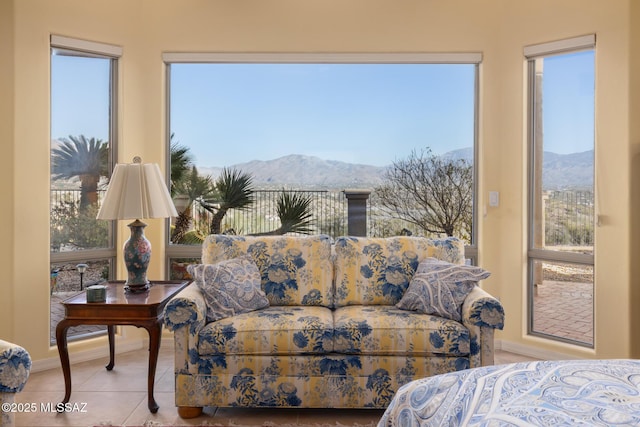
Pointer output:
89, 49
534, 254
470, 58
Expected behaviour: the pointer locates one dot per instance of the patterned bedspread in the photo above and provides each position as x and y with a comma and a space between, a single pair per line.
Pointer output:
543, 393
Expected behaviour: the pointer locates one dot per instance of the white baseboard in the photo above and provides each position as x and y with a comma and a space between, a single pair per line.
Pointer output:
532, 351
86, 355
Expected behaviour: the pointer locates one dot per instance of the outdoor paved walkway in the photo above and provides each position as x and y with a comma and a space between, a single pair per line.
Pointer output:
565, 310
57, 314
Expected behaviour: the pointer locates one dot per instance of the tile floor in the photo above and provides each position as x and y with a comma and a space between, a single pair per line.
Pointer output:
120, 397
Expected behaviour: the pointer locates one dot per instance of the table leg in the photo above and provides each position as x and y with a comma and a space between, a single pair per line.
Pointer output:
61, 340
112, 347
155, 335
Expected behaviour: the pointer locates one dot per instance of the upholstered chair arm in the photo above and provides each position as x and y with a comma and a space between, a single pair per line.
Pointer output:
483, 310
15, 365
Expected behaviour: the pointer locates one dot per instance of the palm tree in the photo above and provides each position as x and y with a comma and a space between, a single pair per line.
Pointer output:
235, 191
87, 159
193, 187
181, 162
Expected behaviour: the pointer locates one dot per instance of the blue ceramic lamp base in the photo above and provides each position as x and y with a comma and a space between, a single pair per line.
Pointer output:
137, 254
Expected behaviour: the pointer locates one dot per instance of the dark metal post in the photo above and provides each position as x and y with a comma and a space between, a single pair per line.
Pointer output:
81, 269
357, 211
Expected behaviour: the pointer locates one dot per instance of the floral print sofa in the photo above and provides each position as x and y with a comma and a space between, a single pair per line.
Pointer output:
325, 327
15, 366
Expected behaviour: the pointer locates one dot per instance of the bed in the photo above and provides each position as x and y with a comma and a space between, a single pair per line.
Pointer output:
541, 393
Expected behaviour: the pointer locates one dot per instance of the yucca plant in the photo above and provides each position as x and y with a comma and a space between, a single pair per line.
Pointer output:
293, 209
234, 191
193, 187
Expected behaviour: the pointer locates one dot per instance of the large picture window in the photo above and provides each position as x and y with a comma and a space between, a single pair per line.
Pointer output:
280, 143
561, 202
83, 143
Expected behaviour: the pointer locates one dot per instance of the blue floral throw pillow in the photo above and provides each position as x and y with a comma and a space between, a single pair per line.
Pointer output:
439, 288
229, 287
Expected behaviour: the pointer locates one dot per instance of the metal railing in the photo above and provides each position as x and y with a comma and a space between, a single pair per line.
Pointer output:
329, 213
569, 218
569, 215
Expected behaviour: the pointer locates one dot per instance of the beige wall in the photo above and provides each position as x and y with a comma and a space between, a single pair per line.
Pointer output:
6, 171
497, 28
634, 182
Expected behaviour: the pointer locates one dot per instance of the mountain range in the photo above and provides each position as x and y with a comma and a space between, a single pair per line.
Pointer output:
306, 171
561, 171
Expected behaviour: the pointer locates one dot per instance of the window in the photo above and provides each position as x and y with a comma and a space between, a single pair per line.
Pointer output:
561, 197
83, 143
312, 126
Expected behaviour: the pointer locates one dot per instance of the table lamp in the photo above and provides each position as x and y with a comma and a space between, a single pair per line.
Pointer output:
137, 191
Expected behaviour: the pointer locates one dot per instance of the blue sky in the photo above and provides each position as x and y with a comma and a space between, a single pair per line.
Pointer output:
79, 97
359, 113
568, 112
370, 114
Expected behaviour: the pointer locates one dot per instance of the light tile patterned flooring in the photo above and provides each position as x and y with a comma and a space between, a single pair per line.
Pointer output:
120, 397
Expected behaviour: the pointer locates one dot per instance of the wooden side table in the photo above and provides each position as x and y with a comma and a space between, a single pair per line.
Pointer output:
144, 310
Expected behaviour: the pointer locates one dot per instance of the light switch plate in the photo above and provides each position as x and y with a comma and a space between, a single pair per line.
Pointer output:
494, 199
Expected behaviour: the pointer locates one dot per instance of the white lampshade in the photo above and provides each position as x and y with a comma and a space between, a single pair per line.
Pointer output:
137, 191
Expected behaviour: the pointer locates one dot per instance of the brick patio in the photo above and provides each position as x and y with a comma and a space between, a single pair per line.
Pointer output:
57, 314
565, 310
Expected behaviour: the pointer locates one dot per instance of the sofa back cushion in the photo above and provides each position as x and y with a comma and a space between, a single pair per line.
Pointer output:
294, 270
371, 271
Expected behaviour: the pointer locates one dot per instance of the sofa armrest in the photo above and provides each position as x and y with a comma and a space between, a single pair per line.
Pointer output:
482, 314
15, 365
482, 309
186, 310
185, 314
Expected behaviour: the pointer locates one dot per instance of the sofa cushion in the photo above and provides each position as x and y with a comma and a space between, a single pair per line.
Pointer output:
324, 380
229, 287
294, 270
273, 330
378, 270
389, 330
440, 288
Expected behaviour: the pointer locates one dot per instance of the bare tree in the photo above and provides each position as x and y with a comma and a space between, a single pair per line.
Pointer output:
433, 193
